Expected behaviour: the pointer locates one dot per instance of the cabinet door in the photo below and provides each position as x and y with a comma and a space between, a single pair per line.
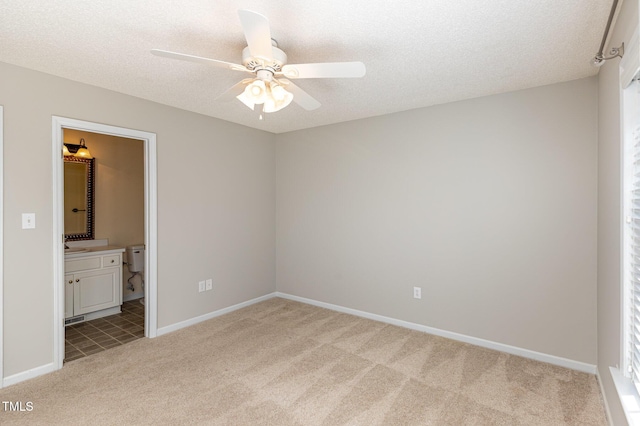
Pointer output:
68, 296
96, 290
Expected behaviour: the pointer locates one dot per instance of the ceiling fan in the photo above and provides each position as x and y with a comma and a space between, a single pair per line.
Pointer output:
269, 89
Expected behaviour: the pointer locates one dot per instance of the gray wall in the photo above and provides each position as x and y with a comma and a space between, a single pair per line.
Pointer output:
609, 211
216, 204
489, 205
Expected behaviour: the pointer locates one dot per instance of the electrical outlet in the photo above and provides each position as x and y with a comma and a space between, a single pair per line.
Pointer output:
417, 293
209, 284
201, 286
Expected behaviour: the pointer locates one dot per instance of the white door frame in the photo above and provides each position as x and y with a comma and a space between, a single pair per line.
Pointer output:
150, 224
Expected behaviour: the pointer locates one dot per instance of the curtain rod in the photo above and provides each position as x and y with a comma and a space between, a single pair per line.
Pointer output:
606, 30
599, 59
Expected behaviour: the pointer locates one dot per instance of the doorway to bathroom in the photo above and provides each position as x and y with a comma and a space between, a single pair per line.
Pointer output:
123, 216
103, 208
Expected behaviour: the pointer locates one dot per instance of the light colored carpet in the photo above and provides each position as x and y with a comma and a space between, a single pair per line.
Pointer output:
286, 363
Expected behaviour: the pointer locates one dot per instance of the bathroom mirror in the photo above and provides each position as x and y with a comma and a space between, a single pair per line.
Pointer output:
78, 198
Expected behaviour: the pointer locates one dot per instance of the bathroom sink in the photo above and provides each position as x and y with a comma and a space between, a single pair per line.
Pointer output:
76, 250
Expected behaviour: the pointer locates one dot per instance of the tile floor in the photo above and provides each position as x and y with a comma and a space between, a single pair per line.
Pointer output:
99, 334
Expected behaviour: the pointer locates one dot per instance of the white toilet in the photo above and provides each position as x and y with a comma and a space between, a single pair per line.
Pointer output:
135, 263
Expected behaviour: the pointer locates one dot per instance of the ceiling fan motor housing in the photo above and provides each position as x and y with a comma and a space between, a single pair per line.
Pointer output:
272, 64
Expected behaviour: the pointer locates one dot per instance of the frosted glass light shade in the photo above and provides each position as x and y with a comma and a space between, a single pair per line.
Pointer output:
270, 93
279, 99
242, 97
256, 92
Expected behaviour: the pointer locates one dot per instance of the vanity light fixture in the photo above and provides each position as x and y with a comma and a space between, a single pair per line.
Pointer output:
78, 151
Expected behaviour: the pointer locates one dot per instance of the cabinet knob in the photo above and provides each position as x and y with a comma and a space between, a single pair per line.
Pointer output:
112, 261
70, 281
77, 280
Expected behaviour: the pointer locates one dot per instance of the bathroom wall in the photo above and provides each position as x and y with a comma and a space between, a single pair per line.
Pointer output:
119, 193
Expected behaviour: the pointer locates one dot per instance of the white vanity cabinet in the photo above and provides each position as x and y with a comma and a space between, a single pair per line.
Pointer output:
93, 282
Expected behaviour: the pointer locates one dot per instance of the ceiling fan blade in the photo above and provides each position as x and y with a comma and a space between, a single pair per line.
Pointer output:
257, 32
325, 70
198, 59
233, 91
300, 97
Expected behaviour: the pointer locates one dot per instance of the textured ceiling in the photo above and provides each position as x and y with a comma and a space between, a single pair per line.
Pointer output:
417, 52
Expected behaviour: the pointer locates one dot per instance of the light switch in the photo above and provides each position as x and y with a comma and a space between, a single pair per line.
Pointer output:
28, 220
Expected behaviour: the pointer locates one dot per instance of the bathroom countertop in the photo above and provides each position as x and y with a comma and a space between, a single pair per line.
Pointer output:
97, 250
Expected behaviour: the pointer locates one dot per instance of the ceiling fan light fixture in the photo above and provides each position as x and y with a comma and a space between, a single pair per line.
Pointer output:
242, 97
256, 92
279, 98
278, 93
272, 96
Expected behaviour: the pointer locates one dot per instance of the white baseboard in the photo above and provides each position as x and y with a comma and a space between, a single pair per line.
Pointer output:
513, 350
29, 374
196, 320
